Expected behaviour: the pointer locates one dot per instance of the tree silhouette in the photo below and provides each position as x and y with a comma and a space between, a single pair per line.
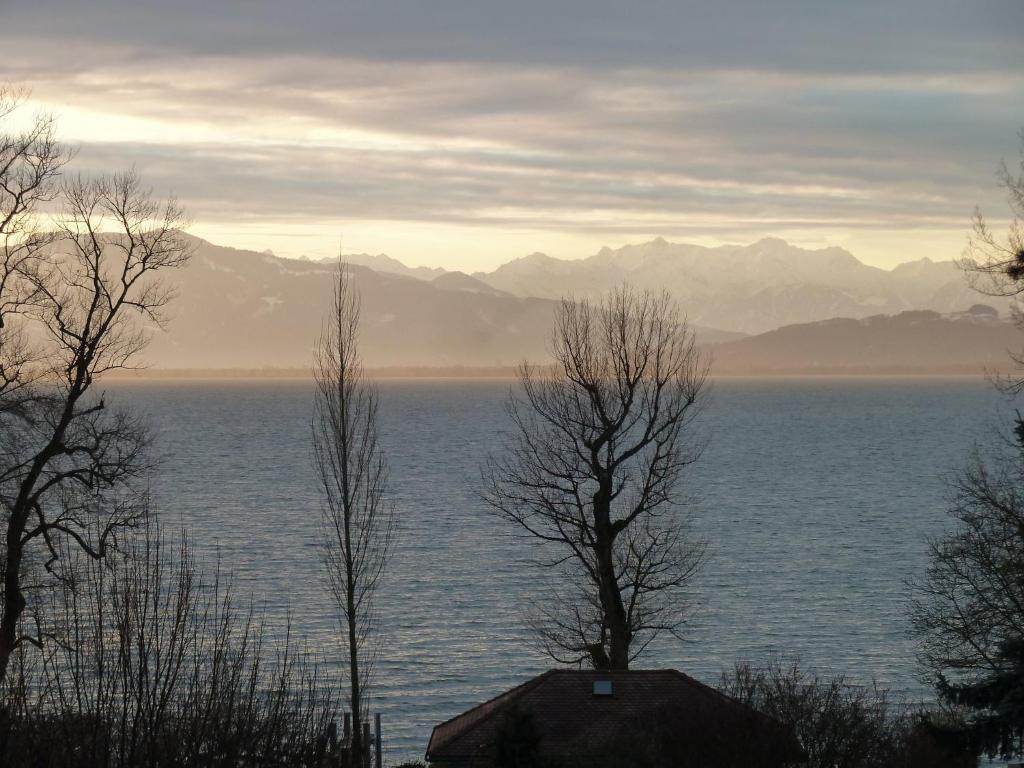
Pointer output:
592, 468
359, 523
73, 304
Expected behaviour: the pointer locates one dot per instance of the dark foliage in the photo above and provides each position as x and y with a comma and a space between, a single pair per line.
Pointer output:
969, 608
997, 701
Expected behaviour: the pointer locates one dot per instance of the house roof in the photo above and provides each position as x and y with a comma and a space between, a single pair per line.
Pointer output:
570, 719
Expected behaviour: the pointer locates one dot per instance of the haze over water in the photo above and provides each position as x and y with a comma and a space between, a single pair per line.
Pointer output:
816, 496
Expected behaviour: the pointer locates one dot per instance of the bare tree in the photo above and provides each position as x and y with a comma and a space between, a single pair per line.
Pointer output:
592, 469
968, 610
359, 522
72, 469
30, 164
996, 265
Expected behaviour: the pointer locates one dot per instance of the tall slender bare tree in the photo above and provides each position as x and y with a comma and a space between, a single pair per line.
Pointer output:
358, 520
592, 470
72, 469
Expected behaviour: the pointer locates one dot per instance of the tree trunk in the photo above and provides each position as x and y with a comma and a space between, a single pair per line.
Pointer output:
353, 668
619, 635
14, 601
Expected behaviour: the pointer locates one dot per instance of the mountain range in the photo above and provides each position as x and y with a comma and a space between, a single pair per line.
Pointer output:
243, 309
742, 288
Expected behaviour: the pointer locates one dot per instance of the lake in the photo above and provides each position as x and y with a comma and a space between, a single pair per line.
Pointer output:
816, 495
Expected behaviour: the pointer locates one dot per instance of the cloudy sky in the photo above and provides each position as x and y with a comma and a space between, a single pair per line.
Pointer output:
466, 133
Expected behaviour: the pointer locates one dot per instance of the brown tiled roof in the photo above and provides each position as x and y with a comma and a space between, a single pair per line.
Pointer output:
570, 719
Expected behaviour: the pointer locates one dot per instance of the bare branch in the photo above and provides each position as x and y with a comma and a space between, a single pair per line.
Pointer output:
72, 470
358, 520
592, 468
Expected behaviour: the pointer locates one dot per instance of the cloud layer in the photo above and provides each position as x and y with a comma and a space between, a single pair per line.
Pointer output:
446, 135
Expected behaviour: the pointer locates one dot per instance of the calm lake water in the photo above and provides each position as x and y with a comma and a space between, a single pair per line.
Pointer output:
816, 496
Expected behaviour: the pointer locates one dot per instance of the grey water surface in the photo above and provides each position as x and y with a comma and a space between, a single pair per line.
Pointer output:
816, 496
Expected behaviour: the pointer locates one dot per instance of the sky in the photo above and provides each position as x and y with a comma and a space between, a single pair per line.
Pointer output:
463, 134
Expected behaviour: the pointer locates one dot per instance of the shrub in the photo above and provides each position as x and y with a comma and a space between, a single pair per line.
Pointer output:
841, 724
150, 663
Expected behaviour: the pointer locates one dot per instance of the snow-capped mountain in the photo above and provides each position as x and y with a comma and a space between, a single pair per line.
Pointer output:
751, 288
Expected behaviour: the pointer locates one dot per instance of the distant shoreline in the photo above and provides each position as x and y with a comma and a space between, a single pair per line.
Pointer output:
499, 373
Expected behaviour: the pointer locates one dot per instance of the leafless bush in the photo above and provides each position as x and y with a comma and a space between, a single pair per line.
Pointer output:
151, 662
842, 725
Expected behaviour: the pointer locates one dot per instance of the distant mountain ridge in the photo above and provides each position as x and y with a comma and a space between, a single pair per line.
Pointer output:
246, 310
747, 288
242, 309
918, 341
387, 265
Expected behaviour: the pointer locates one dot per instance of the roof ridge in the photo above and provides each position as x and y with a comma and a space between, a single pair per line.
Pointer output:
501, 698
710, 689
727, 697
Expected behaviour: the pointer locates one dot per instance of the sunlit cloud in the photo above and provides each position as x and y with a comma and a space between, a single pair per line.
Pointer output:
271, 145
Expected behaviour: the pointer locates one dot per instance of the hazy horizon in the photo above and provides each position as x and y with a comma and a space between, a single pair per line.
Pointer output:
766, 308
349, 256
